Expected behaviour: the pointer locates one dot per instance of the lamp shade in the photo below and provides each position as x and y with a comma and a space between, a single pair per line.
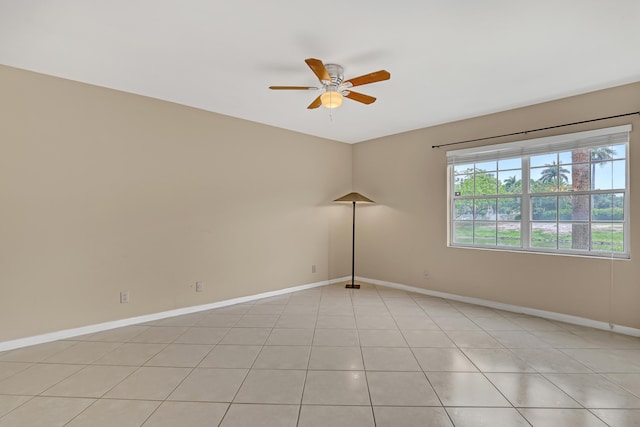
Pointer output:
354, 197
331, 99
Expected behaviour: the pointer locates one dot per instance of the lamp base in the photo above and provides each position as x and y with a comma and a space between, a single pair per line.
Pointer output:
352, 286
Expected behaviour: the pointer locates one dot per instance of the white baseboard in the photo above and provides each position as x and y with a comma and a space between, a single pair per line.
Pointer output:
575, 320
90, 329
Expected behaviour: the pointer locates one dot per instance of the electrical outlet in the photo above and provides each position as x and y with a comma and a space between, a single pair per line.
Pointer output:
426, 274
199, 286
124, 297
313, 268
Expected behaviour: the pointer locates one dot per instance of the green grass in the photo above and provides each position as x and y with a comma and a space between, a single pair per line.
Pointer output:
605, 239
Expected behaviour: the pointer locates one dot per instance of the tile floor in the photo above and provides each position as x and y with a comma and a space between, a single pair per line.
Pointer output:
329, 357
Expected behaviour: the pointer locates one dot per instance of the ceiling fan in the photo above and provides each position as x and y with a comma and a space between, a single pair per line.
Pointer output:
334, 87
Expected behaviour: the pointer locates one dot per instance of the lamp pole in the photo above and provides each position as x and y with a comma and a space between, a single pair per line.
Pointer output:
353, 251
353, 198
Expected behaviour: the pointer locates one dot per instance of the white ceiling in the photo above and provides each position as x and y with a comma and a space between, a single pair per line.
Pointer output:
448, 59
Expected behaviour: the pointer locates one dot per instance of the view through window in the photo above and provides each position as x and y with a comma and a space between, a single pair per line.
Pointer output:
565, 194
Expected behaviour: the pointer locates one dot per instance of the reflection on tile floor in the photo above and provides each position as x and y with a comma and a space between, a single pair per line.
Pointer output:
329, 356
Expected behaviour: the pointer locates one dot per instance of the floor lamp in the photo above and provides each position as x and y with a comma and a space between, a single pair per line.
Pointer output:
353, 198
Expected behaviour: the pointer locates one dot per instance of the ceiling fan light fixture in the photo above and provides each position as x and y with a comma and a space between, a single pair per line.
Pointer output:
331, 99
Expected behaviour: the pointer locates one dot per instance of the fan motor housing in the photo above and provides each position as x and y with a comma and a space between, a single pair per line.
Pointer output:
336, 73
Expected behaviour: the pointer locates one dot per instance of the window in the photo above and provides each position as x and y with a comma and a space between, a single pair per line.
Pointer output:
564, 194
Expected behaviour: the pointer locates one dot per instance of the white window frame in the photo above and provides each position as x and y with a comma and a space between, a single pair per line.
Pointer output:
618, 135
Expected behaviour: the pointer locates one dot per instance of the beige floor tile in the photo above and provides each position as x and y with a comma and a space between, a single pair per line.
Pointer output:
123, 334
336, 322
305, 309
594, 391
202, 335
497, 360
84, 352
406, 311
336, 388
443, 359
389, 359
473, 339
496, 324
531, 390
415, 322
530, 323
242, 415
561, 417
131, 354
45, 412
606, 361
272, 386
92, 381
630, 382
8, 369
113, 412
465, 389
472, 310
210, 385
336, 337
381, 338
486, 417
373, 321
35, 353
619, 417
283, 357
336, 416
231, 356
606, 339
191, 414
296, 321
246, 336
180, 355
290, 336
9, 403
401, 389
219, 320
37, 378
149, 383
394, 416
564, 339
518, 339
257, 321
458, 323
550, 360
548, 370
159, 335
426, 338
336, 358
267, 309
342, 309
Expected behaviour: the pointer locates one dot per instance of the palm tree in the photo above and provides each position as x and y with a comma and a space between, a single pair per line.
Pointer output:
510, 184
553, 173
598, 157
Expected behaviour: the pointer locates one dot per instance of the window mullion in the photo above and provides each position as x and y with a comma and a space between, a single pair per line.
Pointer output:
525, 206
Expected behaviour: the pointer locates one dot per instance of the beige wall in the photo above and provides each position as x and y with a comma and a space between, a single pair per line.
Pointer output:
406, 232
103, 191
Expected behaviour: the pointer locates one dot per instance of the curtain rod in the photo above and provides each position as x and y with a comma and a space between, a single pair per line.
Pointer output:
524, 132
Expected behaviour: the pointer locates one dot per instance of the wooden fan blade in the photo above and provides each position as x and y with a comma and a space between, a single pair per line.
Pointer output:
365, 99
292, 88
377, 76
318, 68
315, 104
